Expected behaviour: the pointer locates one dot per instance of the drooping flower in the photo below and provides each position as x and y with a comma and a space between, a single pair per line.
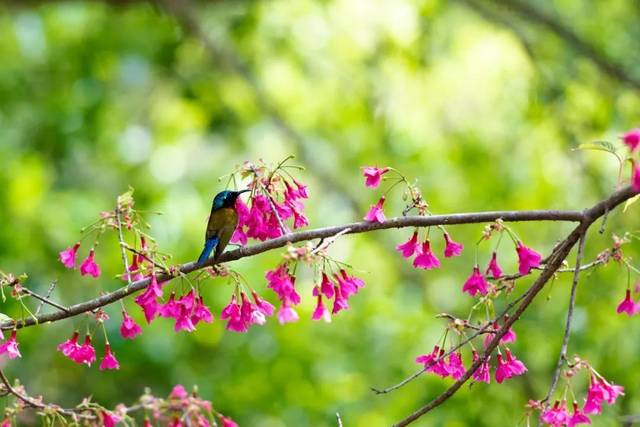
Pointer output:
425, 258
476, 283
557, 416
326, 287
283, 284
508, 368
349, 285
454, 366
321, 312
233, 314
434, 362
287, 314
493, 267
340, 302
527, 258
578, 417
632, 139
10, 347
509, 336
148, 300
86, 353
109, 360
265, 307
70, 346
201, 312
250, 312
408, 248
451, 248
482, 373
601, 391
68, 256
89, 265
129, 329
626, 305
109, 419
375, 213
373, 175
171, 308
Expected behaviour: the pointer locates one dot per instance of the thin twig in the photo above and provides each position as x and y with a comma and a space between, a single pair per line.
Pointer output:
567, 329
47, 296
122, 244
42, 299
339, 419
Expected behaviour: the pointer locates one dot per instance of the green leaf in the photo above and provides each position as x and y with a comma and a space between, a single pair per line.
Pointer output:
599, 146
630, 202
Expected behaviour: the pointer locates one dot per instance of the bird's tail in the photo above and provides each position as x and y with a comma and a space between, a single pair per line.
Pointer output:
209, 244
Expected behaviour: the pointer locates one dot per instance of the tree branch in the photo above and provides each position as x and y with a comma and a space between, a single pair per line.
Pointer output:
354, 228
555, 261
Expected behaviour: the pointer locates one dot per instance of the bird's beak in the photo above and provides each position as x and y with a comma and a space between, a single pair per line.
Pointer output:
243, 191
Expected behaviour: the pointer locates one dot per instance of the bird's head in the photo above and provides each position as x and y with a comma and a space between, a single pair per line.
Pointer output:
226, 199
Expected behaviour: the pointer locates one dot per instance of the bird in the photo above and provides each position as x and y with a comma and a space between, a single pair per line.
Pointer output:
223, 221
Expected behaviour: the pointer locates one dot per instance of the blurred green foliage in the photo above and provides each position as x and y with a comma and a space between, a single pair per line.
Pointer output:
483, 109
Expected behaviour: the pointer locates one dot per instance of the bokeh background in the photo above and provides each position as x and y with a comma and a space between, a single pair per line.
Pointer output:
483, 102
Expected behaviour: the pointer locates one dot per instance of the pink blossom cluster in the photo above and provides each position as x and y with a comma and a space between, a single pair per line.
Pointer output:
600, 391
241, 316
187, 311
86, 353
435, 362
424, 256
270, 199
340, 290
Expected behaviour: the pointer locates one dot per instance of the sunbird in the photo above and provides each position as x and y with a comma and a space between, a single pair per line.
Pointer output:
223, 221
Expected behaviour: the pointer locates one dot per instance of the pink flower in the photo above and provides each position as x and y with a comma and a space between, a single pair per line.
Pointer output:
86, 353
635, 178
434, 362
89, 266
373, 175
109, 360
452, 248
109, 419
632, 139
454, 366
227, 422
601, 391
510, 336
178, 392
287, 314
321, 311
578, 417
340, 302
476, 283
376, 214
627, 305
232, 312
482, 373
283, 284
508, 368
349, 285
264, 306
527, 258
326, 287
70, 346
408, 248
493, 267
10, 347
6, 422
171, 308
556, 416
148, 300
201, 312
129, 329
250, 312
68, 256
425, 258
